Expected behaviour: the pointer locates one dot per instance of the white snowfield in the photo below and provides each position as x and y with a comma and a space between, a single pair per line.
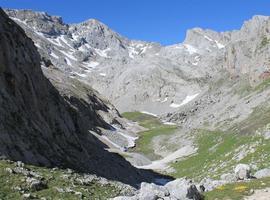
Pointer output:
169, 123
102, 74
54, 55
208, 38
190, 49
103, 53
219, 45
163, 163
130, 140
149, 113
109, 141
185, 101
91, 64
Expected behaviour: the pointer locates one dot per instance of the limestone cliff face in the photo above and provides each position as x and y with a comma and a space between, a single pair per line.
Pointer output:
39, 126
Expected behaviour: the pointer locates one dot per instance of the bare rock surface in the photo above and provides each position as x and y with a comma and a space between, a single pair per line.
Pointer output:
48, 123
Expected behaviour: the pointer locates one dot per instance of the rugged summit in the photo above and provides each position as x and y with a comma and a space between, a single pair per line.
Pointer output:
41, 126
137, 75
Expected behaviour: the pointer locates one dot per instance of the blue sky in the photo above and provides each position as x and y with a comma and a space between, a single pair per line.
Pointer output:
164, 21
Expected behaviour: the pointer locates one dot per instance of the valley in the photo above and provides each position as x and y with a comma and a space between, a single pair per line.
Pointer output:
103, 116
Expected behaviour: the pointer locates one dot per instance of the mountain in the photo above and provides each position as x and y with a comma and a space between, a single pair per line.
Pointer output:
203, 103
51, 124
143, 76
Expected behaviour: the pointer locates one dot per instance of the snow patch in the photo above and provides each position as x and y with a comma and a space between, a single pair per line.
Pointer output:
54, 55
20, 21
164, 100
144, 49
174, 105
65, 41
131, 140
54, 41
111, 142
91, 64
68, 61
148, 113
102, 74
169, 123
81, 75
68, 55
37, 45
197, 58
190, 49
219, 45
185, 101
208, 38
103, 53
40, 34
132, 52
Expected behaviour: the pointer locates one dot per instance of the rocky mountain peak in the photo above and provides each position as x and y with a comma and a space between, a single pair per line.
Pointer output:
40, 21
204, 38
98, 35
257, 25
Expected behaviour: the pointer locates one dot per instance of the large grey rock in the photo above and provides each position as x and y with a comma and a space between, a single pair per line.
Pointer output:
36, 184
262, 173
228, 177
242, 171
193, 193
152, 191
210, 184
178, 188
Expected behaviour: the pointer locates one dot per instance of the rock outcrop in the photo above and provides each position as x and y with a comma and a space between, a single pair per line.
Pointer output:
41, 127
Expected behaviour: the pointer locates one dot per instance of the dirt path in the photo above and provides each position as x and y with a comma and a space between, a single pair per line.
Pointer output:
163, 163
263, 194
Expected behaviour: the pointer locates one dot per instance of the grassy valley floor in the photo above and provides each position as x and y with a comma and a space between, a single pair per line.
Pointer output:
218, 153
154, 128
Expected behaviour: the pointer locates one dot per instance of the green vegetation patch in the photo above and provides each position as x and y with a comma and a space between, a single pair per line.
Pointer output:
9, 184
265, 41
155, 128
214, 157
262, 86
237, 191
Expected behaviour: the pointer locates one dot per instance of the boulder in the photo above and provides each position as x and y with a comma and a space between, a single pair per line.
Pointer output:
209, 184
147, 196
178, 188
152, 191
193, 193
19, 164
262, 173
228, 177
242, 171
126, 198
35, 184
